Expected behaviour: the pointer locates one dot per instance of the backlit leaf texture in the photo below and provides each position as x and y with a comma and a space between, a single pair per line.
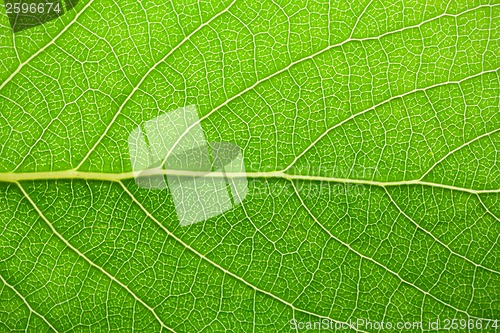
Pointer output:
370, 132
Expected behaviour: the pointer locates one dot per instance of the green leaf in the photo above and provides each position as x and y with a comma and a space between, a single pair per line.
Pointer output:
370, 135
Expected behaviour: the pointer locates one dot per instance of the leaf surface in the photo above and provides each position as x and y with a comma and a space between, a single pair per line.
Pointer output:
370, 133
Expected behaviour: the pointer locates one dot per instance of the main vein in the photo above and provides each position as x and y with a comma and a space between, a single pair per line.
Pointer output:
116, 177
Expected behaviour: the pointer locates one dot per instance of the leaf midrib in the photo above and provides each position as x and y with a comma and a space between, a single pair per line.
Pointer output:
12, 177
